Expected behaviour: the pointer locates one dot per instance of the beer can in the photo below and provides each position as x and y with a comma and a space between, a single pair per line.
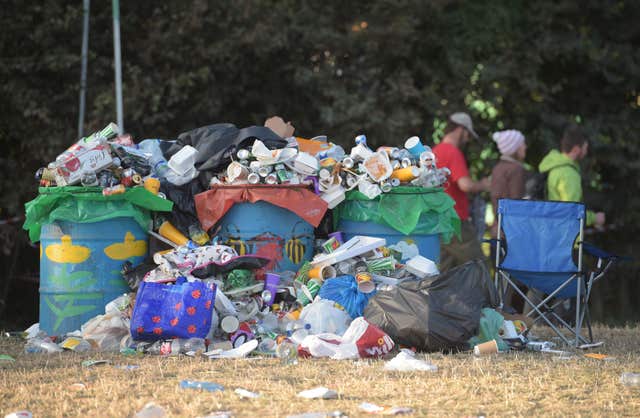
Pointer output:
265, 170
348, 162
127, 177
271, 179
253, 178
243, 154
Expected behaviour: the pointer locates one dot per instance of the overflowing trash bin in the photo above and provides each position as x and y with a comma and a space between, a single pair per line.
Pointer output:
85, 238
413, 220
276, 222
207, 245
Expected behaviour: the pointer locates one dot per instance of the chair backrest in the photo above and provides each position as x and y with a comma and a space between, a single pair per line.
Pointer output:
540, 234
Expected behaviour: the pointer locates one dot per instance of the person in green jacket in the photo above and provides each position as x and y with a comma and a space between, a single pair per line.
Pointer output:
564, 182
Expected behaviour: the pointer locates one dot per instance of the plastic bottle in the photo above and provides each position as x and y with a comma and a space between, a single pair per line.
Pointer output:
630, 379
176, 346
269, 322
38, 345
208, 386
287, 352
300, 333
158, 163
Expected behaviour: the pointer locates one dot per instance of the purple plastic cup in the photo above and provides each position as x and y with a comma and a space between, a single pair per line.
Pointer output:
338, 236
271, 282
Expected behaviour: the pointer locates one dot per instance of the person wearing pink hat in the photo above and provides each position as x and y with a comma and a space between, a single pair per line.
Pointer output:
509, 175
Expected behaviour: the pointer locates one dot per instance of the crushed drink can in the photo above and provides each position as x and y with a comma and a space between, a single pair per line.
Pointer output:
89, 178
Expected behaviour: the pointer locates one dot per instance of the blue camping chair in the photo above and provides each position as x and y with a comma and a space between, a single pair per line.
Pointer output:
539, 237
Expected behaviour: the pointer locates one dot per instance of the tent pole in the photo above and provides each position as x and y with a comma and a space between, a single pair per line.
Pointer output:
118, 62
83, 71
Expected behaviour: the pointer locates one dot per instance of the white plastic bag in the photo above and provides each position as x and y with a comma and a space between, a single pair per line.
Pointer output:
361, 340
106, 331
324, 317
406, 361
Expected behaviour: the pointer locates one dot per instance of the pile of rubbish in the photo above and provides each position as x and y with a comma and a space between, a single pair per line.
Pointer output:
331, 171
198, 295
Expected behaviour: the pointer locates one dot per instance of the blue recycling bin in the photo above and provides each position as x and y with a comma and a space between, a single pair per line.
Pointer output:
427, 245
80, 265
267, 230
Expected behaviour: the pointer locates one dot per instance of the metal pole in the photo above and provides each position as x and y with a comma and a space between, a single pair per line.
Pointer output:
117, 63
83, 72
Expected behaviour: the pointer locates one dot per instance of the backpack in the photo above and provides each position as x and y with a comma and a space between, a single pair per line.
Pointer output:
535, 188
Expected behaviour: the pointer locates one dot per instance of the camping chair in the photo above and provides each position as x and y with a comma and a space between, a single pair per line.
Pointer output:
539, 237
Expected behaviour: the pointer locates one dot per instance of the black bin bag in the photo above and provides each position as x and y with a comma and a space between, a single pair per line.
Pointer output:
439, 313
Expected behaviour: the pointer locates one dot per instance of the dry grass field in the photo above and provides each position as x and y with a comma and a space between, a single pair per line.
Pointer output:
512, 384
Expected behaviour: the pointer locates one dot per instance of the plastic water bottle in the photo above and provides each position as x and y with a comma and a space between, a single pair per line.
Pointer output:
159, 164
37, 345
208, 386
176, 346
287, 352
300, 333
269, 322
630, 379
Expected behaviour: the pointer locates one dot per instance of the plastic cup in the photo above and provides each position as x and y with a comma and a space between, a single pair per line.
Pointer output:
365, 283
321, 273
309, 291
490, 347
414, 146
271, 282
152, 184
170, 232
229, 324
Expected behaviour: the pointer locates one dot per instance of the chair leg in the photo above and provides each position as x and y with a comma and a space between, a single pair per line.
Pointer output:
588, 321
537, 310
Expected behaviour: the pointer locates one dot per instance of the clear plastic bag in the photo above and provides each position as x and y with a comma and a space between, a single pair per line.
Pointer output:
325, 317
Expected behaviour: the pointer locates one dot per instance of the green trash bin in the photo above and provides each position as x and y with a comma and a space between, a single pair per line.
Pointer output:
412, 219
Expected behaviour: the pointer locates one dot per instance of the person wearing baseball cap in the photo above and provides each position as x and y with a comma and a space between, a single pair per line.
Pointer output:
457, 133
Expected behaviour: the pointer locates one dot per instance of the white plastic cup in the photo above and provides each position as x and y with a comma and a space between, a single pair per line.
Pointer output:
229, 324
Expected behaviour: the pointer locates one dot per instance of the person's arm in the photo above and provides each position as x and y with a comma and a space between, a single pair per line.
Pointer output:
467, 185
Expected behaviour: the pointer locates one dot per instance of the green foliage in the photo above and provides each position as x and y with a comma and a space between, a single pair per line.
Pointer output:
387, 69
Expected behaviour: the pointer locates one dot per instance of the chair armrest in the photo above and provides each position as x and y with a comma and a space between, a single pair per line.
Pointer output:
600, 253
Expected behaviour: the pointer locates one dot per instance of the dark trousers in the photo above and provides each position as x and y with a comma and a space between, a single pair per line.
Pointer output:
459, 251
